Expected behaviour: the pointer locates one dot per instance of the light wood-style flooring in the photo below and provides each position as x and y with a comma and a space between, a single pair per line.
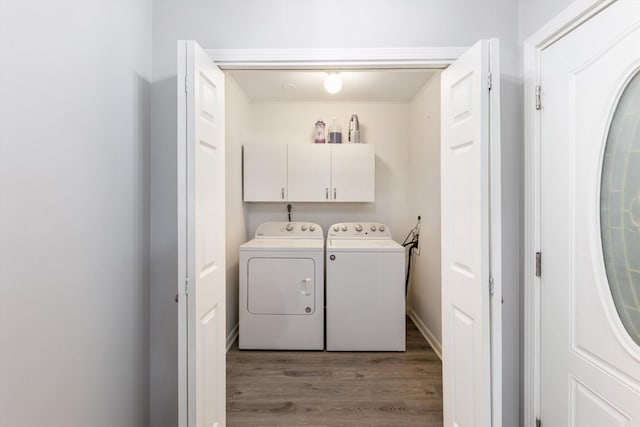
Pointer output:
313, 388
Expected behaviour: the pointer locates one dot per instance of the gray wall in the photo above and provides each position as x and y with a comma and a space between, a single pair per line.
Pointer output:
74, 206
535, 14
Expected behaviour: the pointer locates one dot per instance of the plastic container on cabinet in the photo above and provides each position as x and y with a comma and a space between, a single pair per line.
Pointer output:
335, 132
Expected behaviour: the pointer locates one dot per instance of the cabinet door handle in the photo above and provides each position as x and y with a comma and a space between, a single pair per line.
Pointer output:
334, 193
282, 193
326, 193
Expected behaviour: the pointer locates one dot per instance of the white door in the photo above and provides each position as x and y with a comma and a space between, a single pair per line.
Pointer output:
201, 218
465, 157
590, 223
309, 172
265, 172
353, 173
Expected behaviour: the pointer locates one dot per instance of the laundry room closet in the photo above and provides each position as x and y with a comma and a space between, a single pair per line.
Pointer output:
399, 115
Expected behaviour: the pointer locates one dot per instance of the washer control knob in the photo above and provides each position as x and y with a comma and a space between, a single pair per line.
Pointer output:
289, 227
336, 228
358, 228
381, 228
344, 228
304, 227
312, 228
373, 227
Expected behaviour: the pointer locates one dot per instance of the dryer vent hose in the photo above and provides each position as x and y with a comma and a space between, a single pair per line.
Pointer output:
411, 241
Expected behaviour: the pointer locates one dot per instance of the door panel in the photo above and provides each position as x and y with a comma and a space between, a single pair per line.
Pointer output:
201, 195
207, 409
466, 343
590, 366
591, 410
463, 381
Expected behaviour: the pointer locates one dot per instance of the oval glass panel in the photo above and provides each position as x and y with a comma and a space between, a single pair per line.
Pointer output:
620, 208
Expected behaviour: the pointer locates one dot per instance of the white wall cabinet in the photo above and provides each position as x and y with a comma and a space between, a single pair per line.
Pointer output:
312, 173
353, 170
265, 172
309, 176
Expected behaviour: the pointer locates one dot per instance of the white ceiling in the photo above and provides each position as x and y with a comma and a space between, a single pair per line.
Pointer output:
307, 85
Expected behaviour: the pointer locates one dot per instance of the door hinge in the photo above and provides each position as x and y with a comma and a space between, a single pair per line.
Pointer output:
489, 81
538, 97
538, 422
538, 264
186, 286
186, 84
491, 287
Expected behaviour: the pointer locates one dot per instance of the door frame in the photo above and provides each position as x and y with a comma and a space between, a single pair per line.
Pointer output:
340, 59
570, 19
388, 58
343, 59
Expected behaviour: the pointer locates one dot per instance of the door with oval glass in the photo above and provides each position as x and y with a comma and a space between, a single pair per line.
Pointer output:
590, 223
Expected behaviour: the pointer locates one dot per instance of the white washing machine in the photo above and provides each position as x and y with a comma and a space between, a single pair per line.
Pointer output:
365, 289
281, 298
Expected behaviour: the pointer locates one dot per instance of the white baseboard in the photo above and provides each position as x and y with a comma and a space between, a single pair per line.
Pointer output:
426, 333
231, 338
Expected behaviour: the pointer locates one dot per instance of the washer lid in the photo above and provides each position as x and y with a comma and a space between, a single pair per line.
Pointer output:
364, 245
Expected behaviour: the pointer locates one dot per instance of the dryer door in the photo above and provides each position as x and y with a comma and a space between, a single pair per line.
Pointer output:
281, 286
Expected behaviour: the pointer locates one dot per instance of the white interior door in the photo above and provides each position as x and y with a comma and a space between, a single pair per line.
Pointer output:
201, 198
590, 223
467, 99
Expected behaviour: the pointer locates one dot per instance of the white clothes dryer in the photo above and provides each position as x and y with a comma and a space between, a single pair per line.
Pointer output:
281, 295
365, 289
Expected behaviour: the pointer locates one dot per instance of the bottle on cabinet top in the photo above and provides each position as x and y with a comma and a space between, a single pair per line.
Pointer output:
354, 129
319, 132
335, 132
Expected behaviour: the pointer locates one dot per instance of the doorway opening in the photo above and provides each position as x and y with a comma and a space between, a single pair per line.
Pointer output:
399, 113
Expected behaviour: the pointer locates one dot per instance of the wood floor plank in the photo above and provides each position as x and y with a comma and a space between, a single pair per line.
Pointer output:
314, 388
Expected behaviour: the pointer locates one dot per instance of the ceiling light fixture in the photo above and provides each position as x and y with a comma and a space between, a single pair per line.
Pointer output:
332, 83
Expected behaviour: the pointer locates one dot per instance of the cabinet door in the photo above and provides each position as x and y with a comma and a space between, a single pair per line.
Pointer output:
265, 173
309, 177
353, 173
